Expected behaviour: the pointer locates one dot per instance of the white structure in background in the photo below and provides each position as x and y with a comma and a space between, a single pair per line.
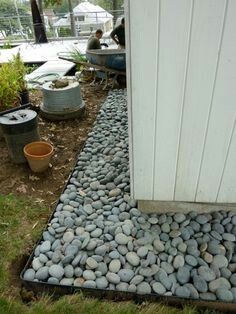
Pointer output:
182, 100
88, 18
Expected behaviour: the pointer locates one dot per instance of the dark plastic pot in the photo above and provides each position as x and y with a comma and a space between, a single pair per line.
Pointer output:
19, 127
24, 97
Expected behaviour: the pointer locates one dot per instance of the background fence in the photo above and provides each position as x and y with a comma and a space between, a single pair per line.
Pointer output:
58, 25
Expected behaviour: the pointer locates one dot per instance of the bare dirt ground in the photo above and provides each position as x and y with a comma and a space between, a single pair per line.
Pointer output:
67, 137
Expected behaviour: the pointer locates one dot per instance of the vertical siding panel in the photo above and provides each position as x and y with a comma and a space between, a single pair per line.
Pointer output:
175, 20
222, 119
227, 190
206, 35
129, 93
144, 47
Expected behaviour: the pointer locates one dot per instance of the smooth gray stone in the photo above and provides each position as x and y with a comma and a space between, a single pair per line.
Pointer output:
168, 268
78, 272
206, 228
144, 288
126, 275
206, 273
219, 228
96, 233
193, 291
220, 261
224, 294
89, 284
185, 234
42, 273
53, 280
71, 250
133, 258
113, 278
92, 263
158, 245
43, 258
219, 283
182, 292
200, 284
158, 288
132, 288
137, 280
45, 246
225, 272
115, 266
67, 259
69, 271
89, 275
56, 271
101, 283
179, 217
228, 237
233, 290
122, 286
121, 238
233, 280
178, 261
36, 264
201, 219
183, 275
191, 260
114, 255
68, 236
208, 296
101, 250
29, 274
102, 267
213, 247
182, 247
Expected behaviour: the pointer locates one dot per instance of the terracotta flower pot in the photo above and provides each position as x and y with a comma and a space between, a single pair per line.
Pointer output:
38, 155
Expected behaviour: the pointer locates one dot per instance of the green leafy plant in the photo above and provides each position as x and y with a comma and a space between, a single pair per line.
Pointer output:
9, 87
21, 71
77, 57
12, 82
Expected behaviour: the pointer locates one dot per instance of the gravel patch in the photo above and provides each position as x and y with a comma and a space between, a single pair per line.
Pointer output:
98, 238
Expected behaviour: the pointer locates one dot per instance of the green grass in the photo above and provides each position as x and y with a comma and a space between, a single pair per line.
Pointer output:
21, 223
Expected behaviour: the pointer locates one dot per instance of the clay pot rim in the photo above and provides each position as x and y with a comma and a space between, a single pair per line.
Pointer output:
38, 156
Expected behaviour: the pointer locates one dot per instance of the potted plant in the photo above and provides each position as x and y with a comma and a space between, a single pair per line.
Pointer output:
21, 71
12, 85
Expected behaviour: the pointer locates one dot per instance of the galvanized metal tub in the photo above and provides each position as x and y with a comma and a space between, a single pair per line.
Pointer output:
111, 58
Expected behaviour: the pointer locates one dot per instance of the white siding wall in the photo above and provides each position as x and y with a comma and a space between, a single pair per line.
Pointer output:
181, 59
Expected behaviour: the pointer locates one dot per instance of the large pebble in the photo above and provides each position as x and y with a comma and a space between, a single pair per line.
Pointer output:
121, 238
133, 258
56, 271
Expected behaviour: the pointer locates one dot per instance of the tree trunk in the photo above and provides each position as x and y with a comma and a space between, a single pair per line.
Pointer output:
40, 5
115, 8
72, 18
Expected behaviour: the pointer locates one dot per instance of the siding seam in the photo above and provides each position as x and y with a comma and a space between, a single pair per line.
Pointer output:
226, 159
129, 98
184, 94
212, 97
156, 98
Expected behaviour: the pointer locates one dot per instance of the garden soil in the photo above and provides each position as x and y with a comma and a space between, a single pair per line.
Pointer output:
67, 137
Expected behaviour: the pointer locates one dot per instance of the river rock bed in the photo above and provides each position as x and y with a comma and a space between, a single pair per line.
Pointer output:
98, 238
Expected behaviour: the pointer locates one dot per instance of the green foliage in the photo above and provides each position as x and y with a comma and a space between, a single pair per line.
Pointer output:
60, 6
8, 20
21, 70
64, 32
7, 45
12, 82
18, 216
